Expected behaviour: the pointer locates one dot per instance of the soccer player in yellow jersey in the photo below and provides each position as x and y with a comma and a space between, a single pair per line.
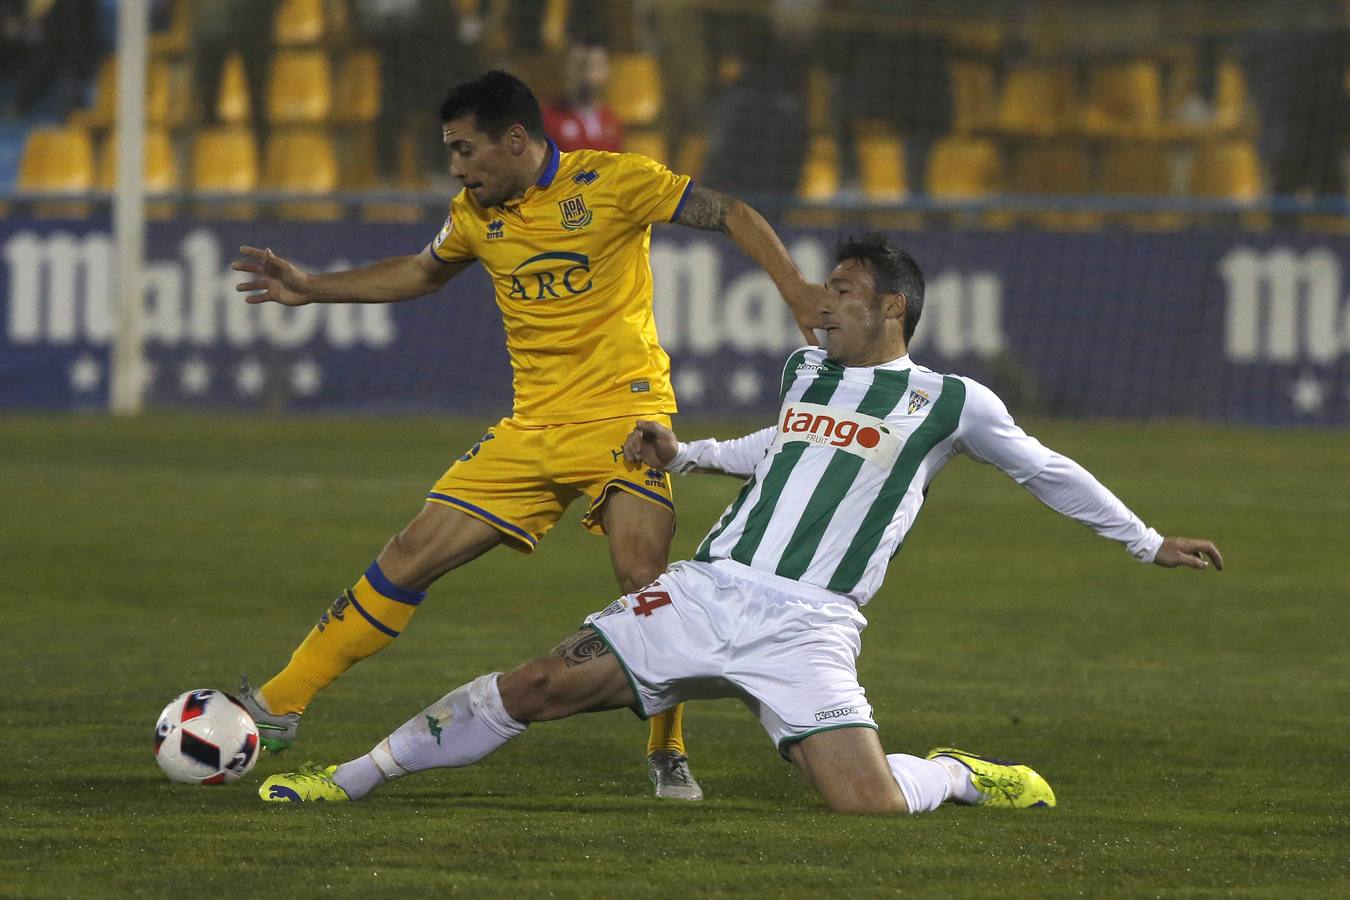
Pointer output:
565, 239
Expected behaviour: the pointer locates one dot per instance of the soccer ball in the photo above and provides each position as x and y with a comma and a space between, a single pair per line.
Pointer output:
205, 737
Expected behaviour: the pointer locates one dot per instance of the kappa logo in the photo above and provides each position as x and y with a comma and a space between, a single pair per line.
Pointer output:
843, 429
918, 399
575, 215
836, 713
587, 177
434, 726
810, 368
496, 229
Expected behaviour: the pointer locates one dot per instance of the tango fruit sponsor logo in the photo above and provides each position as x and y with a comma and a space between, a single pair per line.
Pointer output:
843, 429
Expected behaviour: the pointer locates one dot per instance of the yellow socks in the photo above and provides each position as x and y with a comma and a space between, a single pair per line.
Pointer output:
667, 731
361, 622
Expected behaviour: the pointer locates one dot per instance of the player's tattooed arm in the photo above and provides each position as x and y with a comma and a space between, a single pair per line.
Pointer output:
581, 647
710, 211
705, 209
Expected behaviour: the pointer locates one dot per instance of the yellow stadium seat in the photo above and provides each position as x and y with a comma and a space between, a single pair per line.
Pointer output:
168, 91
820, 170
233, 106
1229, 170
1056, 169
1140, 170
299, 87
635, 88
1232, 107
161, 165
173, 41
963, 167
224, 161
881, 164
299, 23
649, 143
974, 98
1136, 170
1038, 99
1051, 168
358, 84
1124, 99
553, 28
57, 160
303, 161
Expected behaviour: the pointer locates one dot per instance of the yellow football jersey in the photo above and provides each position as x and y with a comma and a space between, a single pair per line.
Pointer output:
570, 268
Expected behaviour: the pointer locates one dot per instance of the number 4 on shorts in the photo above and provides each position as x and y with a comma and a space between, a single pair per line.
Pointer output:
650, 600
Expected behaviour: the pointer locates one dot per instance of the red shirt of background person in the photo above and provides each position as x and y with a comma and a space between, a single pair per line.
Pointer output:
582, 120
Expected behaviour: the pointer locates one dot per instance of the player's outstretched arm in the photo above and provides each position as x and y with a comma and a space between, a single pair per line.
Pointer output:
1194, 553
653, 444
709, 210
278, 280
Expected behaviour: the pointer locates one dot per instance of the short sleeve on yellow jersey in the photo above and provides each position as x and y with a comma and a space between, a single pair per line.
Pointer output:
450, 244
647, 190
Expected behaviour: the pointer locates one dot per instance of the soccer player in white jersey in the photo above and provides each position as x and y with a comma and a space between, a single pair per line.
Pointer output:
768, 610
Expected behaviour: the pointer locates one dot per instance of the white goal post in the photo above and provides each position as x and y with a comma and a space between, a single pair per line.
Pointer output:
127, 363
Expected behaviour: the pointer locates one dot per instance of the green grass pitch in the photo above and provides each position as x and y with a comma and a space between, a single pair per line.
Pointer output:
1195, 725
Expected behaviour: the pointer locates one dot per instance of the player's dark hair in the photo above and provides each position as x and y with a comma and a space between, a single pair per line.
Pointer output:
497, 100
893, 271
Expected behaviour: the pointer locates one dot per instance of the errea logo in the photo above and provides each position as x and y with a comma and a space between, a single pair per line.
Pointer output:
842, 429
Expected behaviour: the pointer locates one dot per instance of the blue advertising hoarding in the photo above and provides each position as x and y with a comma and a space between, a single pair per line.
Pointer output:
1223, 326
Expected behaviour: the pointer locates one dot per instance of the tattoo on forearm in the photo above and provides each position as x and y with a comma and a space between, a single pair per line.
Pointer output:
705, 209
581, 647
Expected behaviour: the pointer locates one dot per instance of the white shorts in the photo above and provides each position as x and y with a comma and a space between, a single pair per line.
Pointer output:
722, 629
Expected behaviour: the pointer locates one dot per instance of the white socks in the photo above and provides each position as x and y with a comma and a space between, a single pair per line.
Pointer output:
458, 730
924, 782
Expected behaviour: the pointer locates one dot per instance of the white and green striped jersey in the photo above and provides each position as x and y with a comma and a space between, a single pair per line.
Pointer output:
837, 483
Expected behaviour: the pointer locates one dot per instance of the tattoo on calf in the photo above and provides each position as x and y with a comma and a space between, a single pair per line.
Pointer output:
581, 647
705, 209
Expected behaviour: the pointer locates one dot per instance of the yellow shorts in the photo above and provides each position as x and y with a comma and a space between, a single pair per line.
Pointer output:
519, 479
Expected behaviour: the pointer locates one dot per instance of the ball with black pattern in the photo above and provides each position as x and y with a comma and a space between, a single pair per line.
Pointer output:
205, 737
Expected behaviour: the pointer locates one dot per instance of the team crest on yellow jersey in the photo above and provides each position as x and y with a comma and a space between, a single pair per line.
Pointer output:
574, 213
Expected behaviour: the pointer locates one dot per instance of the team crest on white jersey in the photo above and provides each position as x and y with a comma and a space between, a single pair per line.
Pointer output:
918, 399
843, 429
574, 213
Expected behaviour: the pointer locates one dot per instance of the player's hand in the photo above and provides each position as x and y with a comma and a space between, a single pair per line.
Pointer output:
650, 444
805, 301
1191, 552
277, 280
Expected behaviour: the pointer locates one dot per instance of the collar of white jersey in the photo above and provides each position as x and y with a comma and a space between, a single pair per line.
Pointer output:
894, 365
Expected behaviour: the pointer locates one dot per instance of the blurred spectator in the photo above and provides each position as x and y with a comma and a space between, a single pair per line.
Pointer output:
220, 26
581, 118
421, 58
1297, 82
897, 79
757, 128
50, 50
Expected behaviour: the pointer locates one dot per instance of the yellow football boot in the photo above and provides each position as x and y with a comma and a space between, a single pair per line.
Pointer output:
1001, 784
311, 783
